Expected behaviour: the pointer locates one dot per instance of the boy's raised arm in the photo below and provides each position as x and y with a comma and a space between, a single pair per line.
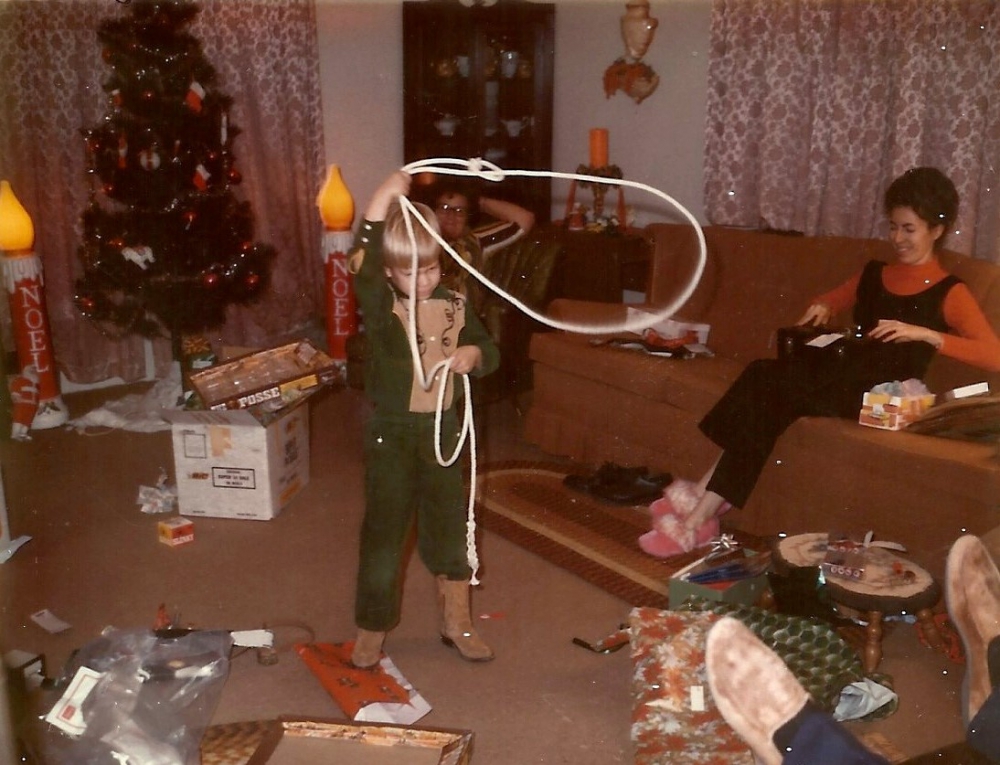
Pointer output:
396, 185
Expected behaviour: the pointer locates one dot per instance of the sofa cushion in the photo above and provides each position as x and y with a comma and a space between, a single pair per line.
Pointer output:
692, 385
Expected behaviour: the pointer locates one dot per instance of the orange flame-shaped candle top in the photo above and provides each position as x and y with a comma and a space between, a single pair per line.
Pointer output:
16, 230
336, 205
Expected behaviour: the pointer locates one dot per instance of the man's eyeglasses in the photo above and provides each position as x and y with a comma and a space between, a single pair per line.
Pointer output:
452, 209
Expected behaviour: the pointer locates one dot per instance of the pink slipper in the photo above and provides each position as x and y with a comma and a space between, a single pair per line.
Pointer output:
679, 499
671, 537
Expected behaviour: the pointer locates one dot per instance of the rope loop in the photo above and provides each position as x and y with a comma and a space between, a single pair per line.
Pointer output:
480, 168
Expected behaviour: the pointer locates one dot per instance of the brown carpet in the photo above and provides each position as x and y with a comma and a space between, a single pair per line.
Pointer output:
526, 503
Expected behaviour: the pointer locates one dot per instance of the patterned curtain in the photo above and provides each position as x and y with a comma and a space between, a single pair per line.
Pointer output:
814, 106
266, 57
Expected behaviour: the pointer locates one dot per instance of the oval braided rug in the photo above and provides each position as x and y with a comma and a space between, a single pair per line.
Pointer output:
526, 503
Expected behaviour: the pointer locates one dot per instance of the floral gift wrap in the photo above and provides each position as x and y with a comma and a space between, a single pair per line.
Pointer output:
674, 719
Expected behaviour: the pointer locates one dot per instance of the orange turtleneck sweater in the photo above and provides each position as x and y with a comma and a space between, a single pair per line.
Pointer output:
973, 340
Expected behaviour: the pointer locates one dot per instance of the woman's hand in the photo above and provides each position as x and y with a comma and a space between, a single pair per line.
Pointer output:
890, 331
466, 358
816, 315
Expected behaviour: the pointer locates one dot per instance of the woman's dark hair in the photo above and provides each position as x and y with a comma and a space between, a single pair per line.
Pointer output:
451, 184
929, 193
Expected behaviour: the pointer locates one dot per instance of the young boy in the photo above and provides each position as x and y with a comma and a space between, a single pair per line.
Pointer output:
404, 484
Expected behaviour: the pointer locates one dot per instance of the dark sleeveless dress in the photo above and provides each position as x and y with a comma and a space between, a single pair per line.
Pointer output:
770, 394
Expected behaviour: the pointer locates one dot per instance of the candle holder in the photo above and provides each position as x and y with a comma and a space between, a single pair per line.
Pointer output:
598, 219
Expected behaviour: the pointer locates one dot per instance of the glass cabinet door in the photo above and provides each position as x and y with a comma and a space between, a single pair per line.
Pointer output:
478, 83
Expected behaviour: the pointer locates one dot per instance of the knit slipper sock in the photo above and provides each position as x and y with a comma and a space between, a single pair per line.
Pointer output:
812, 737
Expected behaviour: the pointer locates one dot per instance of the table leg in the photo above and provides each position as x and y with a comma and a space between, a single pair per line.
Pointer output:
873, 644
929, 627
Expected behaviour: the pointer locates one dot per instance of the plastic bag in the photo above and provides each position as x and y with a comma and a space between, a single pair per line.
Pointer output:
155, 697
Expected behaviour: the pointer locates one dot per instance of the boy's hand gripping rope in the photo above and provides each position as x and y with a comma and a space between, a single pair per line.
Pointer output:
490, 172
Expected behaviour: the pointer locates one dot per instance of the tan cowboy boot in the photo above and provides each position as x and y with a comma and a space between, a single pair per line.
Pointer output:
367, 649
456, 624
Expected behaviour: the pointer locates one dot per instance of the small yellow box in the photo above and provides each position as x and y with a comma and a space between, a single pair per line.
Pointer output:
176, 531
880, 410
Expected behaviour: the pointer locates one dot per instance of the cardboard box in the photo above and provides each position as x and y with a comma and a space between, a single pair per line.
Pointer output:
332, 741
743, 591
272, 377
880, 410
239, 464
176, 531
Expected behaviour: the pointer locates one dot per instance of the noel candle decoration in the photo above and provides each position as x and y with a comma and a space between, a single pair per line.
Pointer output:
23, 280
336, 208
598, 147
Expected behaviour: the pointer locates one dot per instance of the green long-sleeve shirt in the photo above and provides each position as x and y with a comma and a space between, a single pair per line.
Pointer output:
389, 373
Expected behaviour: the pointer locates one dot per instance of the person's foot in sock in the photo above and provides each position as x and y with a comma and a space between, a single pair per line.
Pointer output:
972, 595
764, 703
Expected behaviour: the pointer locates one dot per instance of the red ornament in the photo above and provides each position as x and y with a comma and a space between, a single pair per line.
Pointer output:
109, 189
246, 248
85, 304
189, 217
234, 175
118, 243
252, 281
210, 279
148, 95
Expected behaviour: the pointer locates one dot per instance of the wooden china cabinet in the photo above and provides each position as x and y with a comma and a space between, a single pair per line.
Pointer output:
477, 82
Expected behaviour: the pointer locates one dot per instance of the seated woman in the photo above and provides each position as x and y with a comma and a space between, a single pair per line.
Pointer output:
456, 203
907, 310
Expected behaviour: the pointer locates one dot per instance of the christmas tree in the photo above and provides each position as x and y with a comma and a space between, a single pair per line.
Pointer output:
167, 246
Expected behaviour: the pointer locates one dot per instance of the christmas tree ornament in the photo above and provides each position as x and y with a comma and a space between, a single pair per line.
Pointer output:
190, 216
149, 159
210, 279
195, 97
234, 176
141, 256
24, 282
201, 177
336, 208
252, 281
85, 304
122, 152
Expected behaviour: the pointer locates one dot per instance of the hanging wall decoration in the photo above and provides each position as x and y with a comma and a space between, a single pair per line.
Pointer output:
629, 73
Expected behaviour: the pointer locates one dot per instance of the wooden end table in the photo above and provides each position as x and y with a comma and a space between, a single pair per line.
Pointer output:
892, 585
598, 266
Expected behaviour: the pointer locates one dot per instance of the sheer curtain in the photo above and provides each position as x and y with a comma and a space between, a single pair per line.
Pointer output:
266, 57
815, 105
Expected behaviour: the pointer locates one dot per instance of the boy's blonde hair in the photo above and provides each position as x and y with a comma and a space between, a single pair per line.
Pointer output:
397, 248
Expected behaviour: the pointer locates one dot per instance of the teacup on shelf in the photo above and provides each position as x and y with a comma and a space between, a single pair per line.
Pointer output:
513, 127
508, 63
446, 125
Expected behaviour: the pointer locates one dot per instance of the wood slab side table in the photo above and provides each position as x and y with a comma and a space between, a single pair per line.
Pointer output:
892, 585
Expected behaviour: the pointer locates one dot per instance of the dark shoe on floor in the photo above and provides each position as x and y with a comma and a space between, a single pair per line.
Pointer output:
621, 485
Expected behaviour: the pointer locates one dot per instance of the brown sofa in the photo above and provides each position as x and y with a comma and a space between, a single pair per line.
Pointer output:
598, 404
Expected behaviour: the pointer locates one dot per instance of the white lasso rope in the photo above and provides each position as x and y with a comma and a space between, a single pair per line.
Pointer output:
490, 172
